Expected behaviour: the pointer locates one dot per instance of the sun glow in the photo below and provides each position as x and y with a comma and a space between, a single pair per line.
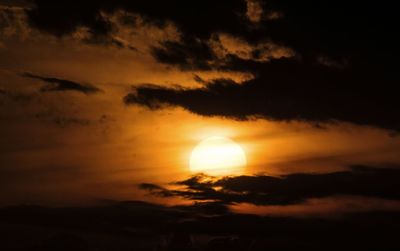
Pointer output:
218, 156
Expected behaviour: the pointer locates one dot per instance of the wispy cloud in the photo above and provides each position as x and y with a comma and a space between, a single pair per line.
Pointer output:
53, 84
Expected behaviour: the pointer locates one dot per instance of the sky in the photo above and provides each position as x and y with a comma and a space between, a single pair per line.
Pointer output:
104, 101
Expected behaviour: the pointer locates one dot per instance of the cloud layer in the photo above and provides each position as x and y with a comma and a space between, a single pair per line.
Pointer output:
287, 91
308, 64
286, 190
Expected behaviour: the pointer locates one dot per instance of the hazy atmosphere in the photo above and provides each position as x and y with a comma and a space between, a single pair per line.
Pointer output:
199, 125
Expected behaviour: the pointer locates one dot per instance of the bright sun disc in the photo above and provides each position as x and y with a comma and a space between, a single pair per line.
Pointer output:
218, 156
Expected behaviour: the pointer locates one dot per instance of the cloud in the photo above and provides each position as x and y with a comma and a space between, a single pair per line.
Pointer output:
287, 91
63, 18
59, 85
307, 28
13, 22
191, 54
307, 65
254, 10
104, 22
225, 45
327, 207
217, 52
290, 189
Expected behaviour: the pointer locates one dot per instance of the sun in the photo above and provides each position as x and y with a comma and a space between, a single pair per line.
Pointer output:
218, 156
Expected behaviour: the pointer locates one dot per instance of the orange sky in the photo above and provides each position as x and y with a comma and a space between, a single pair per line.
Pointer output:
71, 148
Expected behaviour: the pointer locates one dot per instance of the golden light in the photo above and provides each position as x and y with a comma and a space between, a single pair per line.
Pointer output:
218, 156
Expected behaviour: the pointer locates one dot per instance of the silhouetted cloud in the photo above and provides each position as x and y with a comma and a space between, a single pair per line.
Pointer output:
307, 64
216, 52
57, 84
304, 25
311, 30
287, 91
189, 55
288, 189
63, 18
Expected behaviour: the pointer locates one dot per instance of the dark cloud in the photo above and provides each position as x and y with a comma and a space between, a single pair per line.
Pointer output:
156, 190
343, 68
362, 36
122, 44
339, 68
189, 55
287, 190
57, 84
286, 91
363, 33
68, 17
63, 18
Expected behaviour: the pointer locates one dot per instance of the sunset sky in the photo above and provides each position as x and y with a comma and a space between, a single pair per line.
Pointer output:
106, 101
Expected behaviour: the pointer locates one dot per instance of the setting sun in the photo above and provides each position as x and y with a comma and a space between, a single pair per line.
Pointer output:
218, 156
